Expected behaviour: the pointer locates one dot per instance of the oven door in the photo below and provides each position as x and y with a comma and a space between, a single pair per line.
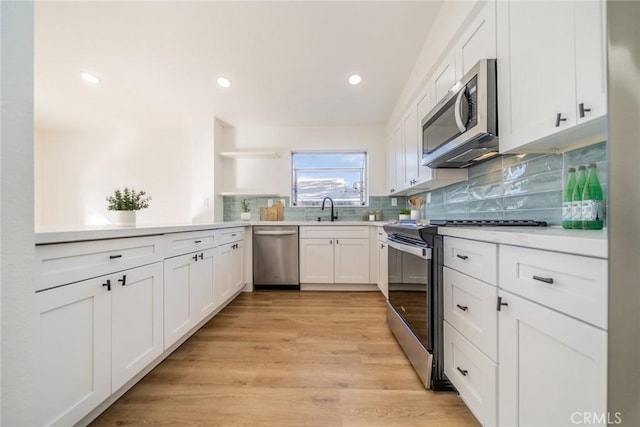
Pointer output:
409, 294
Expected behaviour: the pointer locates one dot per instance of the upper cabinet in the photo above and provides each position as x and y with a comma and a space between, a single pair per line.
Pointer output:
550, 74
445, 77
478, 41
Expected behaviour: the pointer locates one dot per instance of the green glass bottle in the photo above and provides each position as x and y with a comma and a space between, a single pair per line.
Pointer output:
576, 198
592, 204
567, 199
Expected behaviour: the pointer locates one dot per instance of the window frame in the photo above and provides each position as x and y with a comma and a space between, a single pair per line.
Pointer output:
364, 178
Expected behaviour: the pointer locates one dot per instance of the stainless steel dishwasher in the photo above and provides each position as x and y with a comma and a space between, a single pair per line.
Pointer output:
275, 257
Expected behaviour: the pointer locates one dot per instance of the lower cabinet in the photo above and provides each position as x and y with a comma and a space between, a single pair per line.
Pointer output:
334, 260
189, 292
93, 336
383, 268
553, 368
231, 268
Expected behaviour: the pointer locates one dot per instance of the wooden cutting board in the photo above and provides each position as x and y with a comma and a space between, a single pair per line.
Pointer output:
272, 213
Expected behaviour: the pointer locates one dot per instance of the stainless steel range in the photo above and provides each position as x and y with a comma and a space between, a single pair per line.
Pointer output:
415, 309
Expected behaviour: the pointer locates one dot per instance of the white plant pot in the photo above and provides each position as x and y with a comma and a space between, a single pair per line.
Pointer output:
126, 218
415, 214
401, 217
245, 216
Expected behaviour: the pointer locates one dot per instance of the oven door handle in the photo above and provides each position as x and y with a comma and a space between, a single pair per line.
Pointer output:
424, 253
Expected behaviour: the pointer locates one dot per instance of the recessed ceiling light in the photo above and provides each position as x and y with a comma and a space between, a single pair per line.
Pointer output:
224, 82
355, 79
90, 78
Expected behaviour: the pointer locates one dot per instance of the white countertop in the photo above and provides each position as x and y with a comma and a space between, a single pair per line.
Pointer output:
77, 234
580, 242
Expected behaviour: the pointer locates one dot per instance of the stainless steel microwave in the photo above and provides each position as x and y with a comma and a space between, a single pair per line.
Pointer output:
462, 129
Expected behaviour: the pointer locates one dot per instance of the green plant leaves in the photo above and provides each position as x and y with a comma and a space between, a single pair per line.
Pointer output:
128, 200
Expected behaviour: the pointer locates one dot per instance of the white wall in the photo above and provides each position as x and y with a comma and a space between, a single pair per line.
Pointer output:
451, 20
78, 169
273, 175
17, 248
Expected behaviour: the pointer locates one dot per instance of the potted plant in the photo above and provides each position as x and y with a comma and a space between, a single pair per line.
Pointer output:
245, 213
404, 214
126, 202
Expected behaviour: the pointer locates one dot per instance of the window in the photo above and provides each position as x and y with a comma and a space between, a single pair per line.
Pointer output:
339, 175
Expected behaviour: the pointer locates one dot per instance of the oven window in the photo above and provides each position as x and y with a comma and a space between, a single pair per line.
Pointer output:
408, 291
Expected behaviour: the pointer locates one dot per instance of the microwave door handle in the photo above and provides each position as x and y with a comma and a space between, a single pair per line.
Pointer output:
458, 116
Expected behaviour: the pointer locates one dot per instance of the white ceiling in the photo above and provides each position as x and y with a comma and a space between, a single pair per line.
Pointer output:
289, 61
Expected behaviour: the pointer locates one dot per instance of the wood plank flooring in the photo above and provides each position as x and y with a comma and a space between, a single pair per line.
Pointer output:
289, 359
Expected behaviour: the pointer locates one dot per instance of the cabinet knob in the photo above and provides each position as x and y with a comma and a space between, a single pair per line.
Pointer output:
107, 284
462, 257
381, 245
198, 241
500, 304
462, 307
123, 280
559, 119
115, 256
582, 109
195, 257
464, 372
201, 255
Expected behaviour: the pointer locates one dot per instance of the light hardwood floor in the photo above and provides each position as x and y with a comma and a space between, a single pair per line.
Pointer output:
289, 358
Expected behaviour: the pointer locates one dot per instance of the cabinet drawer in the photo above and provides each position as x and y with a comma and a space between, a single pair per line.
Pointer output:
229, 235
572, 284
470, 307
63, 263
183, 243
473, 374
477, 259
334, 232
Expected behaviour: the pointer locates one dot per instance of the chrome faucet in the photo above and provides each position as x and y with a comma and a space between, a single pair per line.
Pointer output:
333, 217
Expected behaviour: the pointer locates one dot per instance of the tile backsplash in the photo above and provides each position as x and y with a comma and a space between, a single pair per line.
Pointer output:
523, 186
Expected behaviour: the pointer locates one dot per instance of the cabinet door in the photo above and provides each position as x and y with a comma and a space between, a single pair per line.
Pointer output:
73, 370
478, 41
352, 261
202, 293
391, 166
316, 260
444, 78
425, 103
136, 312
551, 366
177, 303
225, 272
536, 70
398, 147
591, 41
237, 266
383, 269
410, 135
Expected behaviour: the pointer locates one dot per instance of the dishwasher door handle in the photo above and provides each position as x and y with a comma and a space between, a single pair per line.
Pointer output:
275, 233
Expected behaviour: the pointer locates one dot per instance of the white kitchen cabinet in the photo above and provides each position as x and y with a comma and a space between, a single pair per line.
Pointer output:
444, 77
391, 166
398, 156
73, 366
383, 262
231, 270
351, 261
189, 292
410, 138
334, 255
478, 40
136, 318
93, 337
316, 260
551, 366
550, 60
471, 323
